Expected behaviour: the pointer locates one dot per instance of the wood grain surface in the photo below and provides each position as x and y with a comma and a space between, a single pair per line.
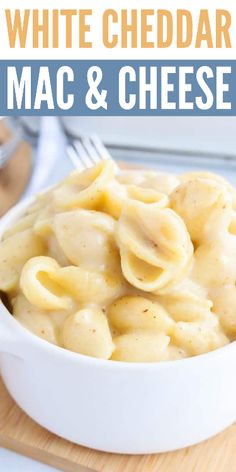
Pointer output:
19, 433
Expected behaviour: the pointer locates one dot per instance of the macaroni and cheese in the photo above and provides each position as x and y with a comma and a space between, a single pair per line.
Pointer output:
134, 266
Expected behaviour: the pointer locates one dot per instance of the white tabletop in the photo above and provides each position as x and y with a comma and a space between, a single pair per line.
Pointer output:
12, 462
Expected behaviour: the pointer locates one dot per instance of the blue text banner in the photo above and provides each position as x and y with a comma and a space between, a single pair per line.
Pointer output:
118, 88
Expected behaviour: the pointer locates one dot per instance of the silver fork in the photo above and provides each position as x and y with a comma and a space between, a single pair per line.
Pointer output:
87, 151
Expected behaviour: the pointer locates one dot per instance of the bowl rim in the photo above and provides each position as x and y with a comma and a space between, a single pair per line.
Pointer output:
13, 214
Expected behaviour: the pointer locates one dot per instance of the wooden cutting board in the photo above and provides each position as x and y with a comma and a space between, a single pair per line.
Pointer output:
19, 433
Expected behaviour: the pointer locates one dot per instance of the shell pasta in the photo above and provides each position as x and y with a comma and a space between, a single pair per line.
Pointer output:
132, 266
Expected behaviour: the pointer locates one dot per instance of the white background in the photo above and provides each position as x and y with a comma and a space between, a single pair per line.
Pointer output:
99, 52
214, 134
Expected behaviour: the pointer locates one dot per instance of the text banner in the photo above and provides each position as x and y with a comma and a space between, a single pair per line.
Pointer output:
113, 88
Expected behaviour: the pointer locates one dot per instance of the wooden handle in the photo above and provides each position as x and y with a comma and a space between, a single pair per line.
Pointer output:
14, 176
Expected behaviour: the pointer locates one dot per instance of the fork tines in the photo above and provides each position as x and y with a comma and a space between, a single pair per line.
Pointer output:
87, 151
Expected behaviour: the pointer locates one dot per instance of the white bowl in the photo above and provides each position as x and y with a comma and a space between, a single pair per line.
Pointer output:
115, 406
